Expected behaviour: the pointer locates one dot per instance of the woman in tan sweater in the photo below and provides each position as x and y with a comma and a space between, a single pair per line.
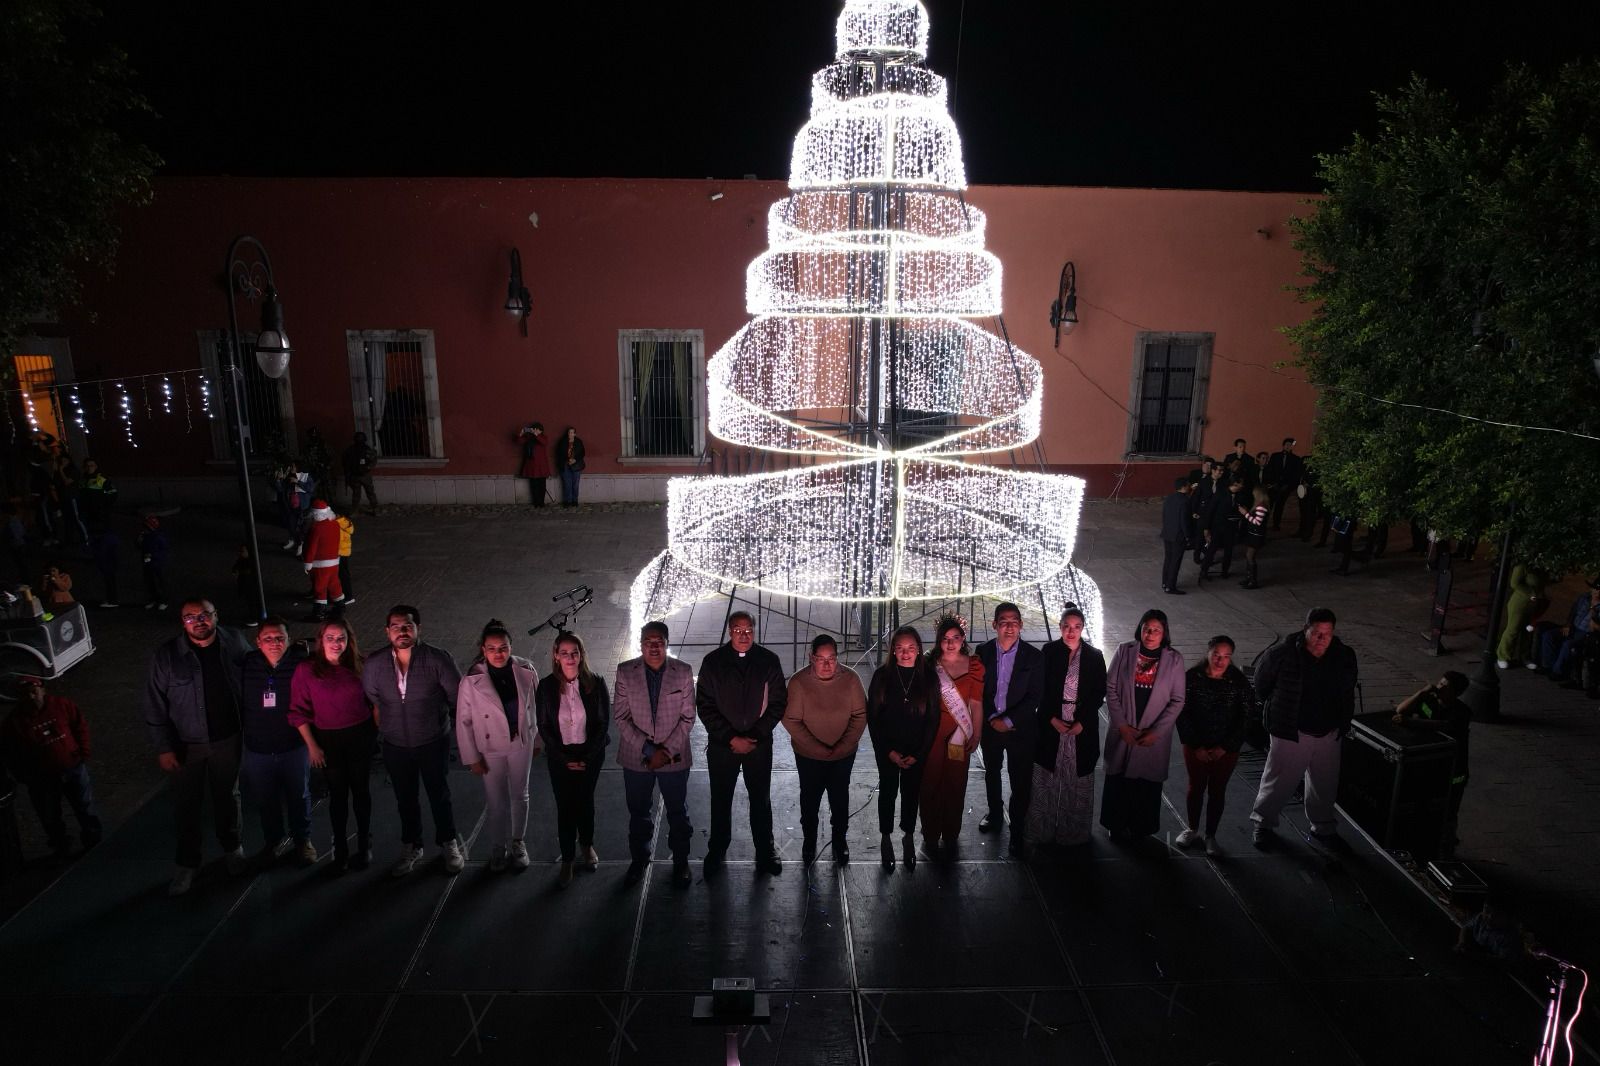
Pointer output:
825, 717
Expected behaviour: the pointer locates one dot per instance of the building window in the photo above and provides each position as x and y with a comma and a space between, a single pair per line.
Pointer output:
663, 392
1170, 374
394, 391
269, 404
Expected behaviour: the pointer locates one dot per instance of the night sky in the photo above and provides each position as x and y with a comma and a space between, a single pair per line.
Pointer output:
1103, 93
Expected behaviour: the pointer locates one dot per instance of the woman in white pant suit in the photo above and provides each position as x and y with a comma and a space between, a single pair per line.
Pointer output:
498, 740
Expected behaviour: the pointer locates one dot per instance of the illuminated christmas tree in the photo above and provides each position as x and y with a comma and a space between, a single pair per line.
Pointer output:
861, 360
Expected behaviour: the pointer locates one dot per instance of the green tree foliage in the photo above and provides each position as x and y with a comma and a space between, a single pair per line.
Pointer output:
1454, 263
66, 170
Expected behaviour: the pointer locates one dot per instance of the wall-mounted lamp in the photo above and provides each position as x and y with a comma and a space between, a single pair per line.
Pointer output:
1064, 311
518, 300
272, 343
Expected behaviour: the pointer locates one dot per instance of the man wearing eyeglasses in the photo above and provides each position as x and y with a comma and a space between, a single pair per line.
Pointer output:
741, 698
192, 714
1013, 685
652, 700
413, 687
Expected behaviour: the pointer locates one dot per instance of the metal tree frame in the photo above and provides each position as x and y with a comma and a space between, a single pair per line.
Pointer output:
252, 279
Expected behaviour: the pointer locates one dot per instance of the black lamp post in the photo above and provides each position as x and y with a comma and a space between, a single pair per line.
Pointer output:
1483, 695
248, 274
519, 301
1064, 310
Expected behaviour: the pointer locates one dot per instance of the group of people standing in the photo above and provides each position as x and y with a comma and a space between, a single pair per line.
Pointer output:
539, 458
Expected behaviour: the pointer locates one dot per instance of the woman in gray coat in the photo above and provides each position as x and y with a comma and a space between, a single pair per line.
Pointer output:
1144, 693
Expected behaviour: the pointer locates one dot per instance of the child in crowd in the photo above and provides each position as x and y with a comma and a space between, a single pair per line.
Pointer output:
347, 531
45, 744
55, 589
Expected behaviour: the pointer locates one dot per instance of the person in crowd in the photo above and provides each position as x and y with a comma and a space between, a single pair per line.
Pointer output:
244, 579
65, 483
41, 485
1202, 491
44, 744
1527, 593
191, 714
1311, 510
1222, 528
1307, 689
1013, 682
570, 464
1439, 706
359, 460
825, 716
959, 675
573, 710
99, 499
1260, 469
1282, 476
1253, 530
1144, 696
328, 705
903, 718
274, 764
1343, 527
317, 461
154, 548
55, 589
1217, 704
653, 701
535, 462
1246, 464
741, 697
498, 739
1562, 646
321, 559
1062, 809
414, 688
347, 533
1174, 533
297, 493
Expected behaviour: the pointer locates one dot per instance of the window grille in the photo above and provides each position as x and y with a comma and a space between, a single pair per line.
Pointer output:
662, 392
394, 391
1169, 390
269, 404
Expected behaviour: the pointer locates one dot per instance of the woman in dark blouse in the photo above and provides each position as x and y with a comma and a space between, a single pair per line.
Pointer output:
328, 706
902, 717
1216, 706
573, 711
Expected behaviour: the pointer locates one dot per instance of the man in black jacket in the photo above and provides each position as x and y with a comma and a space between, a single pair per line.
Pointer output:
740, 697
1174, 534
1307, 687
1282, 477
1013, 683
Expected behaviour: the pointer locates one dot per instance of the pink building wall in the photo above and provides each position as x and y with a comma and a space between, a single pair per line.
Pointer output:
624, 254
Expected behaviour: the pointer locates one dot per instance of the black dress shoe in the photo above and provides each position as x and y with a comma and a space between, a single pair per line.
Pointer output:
990, 823
770, 865
1019, 850
636, 871
841, 855
808, 852
681, 878
1175, 591
887, 848
909, 852
713, 864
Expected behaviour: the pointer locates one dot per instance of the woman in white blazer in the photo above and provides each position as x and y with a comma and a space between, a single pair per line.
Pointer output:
498, 740
1145, 687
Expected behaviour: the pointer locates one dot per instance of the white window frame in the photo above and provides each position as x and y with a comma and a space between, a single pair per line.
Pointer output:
210, 341
1197, 403
360, 401
626, 339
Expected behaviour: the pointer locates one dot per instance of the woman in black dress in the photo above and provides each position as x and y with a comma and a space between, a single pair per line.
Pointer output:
902, 717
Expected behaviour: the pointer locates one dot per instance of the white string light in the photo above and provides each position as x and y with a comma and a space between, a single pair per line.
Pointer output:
27, 409
205, 399
125, 402
77, 411
859, 304
166, 395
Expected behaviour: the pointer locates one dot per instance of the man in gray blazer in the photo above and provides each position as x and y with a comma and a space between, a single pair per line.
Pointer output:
653, 702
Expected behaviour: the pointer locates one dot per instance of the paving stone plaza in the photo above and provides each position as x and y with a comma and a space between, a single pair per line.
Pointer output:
1122, 956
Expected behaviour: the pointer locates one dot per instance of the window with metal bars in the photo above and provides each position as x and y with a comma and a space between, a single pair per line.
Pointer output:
1170, 374
662, 392
269, 404
394, 391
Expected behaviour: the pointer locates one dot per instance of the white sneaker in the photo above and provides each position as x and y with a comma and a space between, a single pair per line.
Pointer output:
236, 862
288, 544
1187, 838
1213, 849
182, 881
454, 860
1531, 666
1501, 663
497, 858
410, 855
519, 855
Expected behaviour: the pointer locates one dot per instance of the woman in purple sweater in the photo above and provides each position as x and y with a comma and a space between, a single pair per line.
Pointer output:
327, 705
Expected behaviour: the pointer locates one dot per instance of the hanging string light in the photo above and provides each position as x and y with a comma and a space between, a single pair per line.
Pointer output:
859, 353
166, 395
125, 402
205, 399
27, 409
77, 410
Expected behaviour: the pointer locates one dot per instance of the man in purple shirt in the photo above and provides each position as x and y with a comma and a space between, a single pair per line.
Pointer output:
1013, 683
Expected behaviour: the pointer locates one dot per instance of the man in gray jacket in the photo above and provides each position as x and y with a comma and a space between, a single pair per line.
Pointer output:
652, 700
191, 712
413, 686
